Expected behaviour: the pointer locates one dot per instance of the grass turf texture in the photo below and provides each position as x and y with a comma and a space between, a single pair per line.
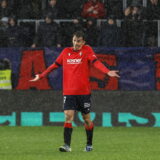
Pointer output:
42, 143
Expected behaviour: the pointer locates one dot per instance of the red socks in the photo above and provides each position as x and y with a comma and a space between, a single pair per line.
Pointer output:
67, 125
89, 127
67, 133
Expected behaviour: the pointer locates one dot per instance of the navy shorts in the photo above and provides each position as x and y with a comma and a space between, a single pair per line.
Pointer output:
80, 103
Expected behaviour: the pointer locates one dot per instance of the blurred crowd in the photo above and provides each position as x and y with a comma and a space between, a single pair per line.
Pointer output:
138, 24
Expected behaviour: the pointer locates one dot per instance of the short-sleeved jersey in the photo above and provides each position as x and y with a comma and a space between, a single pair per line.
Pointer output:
76, 69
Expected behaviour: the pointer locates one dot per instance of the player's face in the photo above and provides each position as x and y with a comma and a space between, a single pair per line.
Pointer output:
78, 42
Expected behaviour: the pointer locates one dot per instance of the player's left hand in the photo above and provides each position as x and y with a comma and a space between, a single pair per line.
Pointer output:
113, 74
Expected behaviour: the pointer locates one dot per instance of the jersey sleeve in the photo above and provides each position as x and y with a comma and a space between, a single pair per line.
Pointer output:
97, 64
91, 55
48, 70
59, 60
56, 64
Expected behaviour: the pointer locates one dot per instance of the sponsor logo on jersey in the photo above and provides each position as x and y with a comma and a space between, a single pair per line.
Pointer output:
74, 61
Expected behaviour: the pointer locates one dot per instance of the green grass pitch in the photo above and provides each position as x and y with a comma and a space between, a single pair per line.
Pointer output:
42, 143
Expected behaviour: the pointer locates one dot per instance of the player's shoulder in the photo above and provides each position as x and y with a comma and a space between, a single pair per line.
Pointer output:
87, 47
67, 49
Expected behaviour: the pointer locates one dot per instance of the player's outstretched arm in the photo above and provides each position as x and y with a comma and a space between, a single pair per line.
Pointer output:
113, 73
104, 69
35, 79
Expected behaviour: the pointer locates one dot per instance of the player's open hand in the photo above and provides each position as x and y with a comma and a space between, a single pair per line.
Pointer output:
113, 74
35, 79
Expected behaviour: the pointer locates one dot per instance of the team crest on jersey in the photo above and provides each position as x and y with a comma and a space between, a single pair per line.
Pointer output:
69, 54
80, 53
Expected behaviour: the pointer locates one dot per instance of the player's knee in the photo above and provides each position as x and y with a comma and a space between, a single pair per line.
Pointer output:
69, 117
87, 121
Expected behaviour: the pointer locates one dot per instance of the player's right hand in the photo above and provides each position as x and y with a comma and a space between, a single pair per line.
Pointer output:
35, 79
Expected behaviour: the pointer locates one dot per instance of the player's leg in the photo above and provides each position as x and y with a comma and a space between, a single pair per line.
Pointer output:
85, 107
89, 126
69, 116
69, 111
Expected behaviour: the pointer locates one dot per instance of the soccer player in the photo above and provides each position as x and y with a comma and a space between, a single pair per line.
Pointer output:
76, 62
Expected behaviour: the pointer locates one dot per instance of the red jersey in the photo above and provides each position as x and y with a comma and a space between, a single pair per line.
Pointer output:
76, 69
